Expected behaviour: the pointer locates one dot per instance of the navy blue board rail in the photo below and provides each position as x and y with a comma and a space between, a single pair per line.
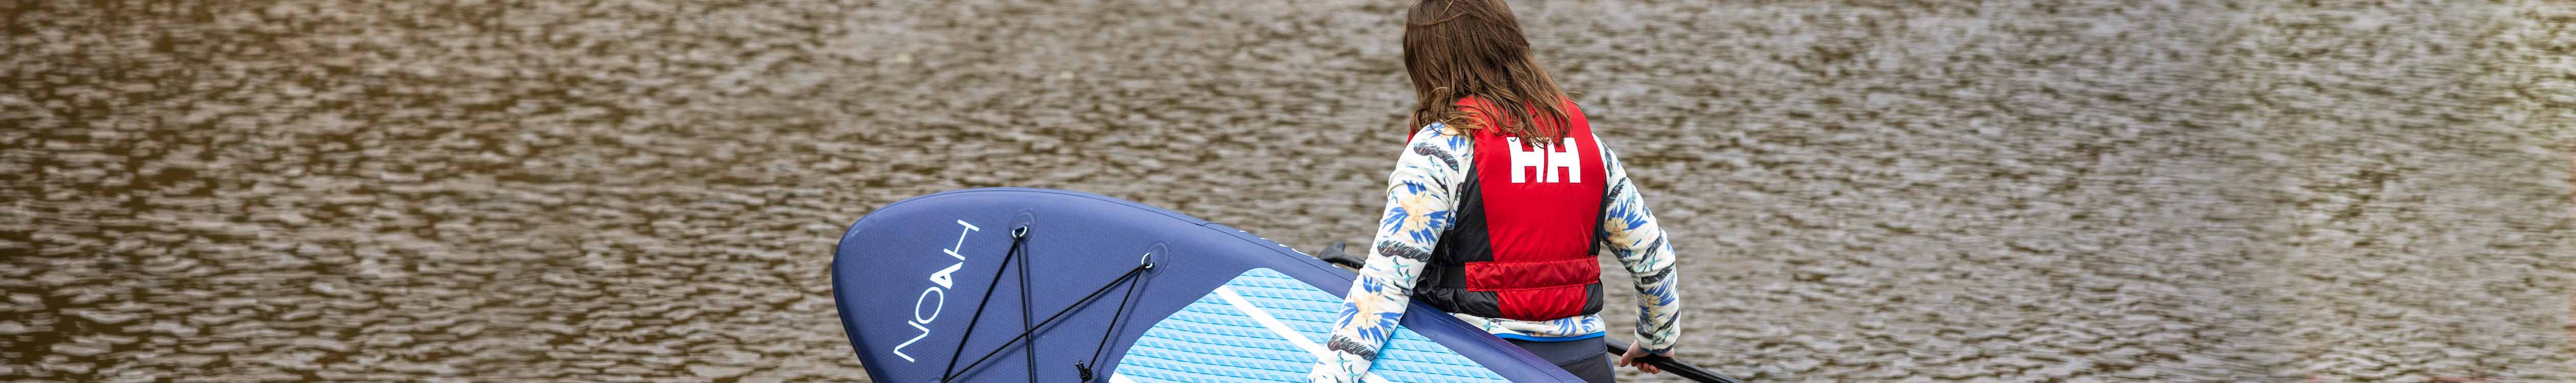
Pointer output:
1217, 304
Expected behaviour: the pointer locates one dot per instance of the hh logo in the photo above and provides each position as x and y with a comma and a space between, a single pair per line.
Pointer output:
1547, 162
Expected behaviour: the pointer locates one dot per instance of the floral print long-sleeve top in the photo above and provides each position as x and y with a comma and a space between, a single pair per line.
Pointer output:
1420, 198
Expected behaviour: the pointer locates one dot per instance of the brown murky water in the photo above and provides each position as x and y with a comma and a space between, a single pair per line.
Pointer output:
1864, 191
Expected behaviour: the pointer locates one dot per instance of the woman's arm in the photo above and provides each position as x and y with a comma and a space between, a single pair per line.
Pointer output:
1419, 198
1639, 243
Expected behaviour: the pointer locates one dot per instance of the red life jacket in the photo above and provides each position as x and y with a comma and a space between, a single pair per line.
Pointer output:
1527, 227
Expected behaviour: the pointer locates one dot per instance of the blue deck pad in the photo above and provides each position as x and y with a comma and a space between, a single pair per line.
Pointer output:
1214, 339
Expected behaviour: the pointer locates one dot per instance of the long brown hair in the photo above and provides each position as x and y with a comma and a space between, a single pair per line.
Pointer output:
1456, 49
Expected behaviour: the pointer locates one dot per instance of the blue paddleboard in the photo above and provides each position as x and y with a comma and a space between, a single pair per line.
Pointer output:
1138, 294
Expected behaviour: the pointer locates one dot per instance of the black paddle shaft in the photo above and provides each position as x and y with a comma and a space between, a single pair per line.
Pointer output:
1668, 364
1333, 254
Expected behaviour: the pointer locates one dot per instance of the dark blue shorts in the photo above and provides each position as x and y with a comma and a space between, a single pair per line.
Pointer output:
1587, 358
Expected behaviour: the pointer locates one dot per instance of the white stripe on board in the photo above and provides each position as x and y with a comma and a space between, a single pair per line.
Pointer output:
1116, 378
1277, 327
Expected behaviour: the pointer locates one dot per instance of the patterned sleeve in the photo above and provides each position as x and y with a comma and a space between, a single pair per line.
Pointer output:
1418, 205
1639, 243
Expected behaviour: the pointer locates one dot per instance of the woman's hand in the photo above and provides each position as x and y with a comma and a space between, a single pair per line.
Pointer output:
1636, 350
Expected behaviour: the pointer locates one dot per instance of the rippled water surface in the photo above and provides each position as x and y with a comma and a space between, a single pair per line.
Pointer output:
1863, 191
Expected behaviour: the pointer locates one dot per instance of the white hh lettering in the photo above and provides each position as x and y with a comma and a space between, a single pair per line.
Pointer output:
1563, 156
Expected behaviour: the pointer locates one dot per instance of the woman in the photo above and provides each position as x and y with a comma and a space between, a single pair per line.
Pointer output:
1497, 206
